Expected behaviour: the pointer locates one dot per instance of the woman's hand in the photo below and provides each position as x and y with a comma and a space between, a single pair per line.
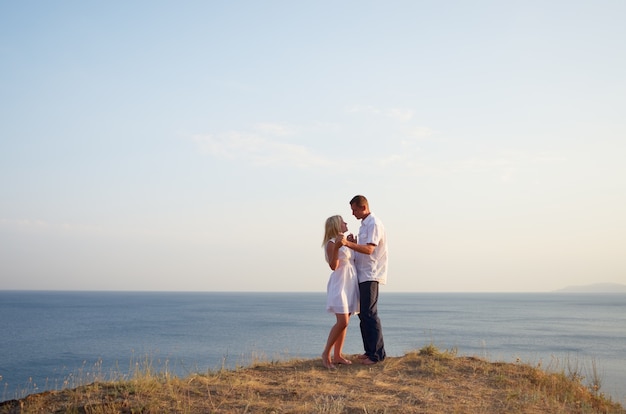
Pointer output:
340, 240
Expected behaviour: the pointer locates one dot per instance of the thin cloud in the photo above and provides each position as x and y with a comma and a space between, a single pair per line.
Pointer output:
505, 164
393, 159
364, 109
33, 224
271, 145
422, 132
274, 129
28, 225
548, 157
259, 150
398, 114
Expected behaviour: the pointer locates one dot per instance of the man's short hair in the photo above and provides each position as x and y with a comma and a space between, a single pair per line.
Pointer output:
359, 200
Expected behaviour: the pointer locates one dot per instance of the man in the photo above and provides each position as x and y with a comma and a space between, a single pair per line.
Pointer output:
371, 270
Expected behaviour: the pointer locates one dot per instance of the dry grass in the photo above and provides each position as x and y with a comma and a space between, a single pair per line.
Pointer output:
428, 381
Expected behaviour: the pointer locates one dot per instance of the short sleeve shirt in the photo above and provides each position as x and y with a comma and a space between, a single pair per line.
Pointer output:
372, 267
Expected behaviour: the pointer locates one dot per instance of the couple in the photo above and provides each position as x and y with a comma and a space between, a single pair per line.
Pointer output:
359, 265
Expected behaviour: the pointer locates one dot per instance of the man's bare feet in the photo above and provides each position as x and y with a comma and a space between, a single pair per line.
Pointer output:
368, 361
362, 356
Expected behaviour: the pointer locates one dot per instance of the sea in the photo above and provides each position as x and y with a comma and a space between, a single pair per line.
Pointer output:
51, 340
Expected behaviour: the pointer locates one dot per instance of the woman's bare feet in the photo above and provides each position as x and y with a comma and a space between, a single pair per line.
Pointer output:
342, 360
327, 362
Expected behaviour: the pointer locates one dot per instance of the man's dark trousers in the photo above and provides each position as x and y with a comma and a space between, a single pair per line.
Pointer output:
371, 329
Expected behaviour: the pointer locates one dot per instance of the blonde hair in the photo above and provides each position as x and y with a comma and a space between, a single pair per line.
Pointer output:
332, 228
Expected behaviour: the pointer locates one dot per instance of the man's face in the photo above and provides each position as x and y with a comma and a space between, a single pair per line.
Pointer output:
358, 211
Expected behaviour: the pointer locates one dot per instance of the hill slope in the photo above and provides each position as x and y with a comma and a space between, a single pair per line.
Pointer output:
596, 288
428, 381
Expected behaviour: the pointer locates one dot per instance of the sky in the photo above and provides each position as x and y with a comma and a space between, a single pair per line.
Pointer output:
201, 145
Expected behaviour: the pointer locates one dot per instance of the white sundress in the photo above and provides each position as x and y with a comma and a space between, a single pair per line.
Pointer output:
343, 288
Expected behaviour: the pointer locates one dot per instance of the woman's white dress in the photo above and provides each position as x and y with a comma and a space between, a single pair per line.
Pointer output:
343, 288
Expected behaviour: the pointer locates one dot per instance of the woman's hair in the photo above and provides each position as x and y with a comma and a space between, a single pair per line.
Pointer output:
332, 228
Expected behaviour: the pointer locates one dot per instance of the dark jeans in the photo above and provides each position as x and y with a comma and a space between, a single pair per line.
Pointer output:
371, 329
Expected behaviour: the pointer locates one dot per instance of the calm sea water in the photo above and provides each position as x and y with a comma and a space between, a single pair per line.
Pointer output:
51, 340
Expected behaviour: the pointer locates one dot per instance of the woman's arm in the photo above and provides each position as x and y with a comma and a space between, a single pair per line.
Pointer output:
332, 251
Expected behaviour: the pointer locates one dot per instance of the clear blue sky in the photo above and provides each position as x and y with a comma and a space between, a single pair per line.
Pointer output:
158, 145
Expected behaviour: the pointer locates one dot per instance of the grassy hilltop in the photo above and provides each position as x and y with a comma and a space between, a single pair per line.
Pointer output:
428, 381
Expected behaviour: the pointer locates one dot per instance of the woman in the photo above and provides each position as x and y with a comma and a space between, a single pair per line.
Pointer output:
342, 289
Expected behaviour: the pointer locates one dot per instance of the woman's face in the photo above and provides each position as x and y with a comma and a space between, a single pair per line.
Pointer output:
344, 226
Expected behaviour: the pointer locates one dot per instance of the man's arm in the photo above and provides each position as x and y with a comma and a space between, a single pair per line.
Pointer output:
361, 248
